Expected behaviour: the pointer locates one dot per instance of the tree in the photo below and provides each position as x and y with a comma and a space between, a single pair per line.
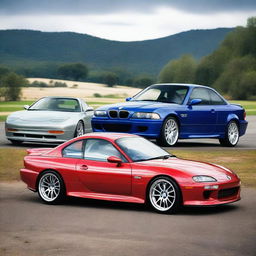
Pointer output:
181, 70
110, 78
143, 81
11, 85
74, 71
3, 71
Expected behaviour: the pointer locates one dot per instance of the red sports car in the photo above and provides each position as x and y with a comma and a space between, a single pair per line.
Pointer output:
127, 168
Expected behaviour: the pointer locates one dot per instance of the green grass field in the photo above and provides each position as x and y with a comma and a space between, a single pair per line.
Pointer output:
243, 162
11, 106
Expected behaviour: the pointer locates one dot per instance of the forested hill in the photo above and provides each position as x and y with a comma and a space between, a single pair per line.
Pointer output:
27, 47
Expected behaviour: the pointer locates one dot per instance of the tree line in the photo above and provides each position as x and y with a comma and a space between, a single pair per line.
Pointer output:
231, 69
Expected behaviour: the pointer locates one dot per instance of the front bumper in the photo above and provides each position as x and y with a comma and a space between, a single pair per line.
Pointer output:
197, 195
146, 128
38, 133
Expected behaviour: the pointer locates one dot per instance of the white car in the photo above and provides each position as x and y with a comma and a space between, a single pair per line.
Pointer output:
49, 120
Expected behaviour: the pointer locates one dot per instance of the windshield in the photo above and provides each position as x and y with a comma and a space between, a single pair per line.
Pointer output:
163, 93
57, 104
140, 149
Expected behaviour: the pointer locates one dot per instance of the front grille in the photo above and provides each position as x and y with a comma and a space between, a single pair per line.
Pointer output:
123, 114
228, 192
113, 113
118, 114
117, 127
35, 136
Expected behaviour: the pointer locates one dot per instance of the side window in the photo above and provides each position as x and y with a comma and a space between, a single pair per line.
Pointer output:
100, 150
74, 150
201, 93
216, 99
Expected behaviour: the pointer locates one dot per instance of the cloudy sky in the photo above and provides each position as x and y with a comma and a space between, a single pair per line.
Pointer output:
124, 20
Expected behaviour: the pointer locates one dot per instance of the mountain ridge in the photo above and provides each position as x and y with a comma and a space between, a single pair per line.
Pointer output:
27, 47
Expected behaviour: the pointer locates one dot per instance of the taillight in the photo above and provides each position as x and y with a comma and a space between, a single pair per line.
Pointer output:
244, 115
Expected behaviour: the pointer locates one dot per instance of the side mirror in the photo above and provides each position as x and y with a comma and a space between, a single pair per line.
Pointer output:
128, 99
195, 102
26, 107
89, 109
114, 159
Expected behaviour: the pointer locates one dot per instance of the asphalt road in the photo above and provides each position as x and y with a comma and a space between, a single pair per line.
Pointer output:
248, 141
92, 227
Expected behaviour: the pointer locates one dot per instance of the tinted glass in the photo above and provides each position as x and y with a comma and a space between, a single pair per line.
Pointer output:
216, 99
57, 104
100, 150
201, 93
163, 93
74, 150
139, 149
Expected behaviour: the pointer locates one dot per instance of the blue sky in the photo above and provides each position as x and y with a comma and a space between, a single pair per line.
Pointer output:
124, 20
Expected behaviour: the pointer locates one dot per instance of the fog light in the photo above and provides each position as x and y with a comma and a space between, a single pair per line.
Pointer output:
211, 187
56, 132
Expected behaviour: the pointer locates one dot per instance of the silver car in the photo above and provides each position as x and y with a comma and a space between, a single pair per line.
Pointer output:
49, 120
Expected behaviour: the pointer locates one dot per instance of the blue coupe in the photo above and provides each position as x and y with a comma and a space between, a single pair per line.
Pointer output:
168, 112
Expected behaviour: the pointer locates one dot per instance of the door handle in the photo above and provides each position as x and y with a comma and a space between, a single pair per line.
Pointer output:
212, 110
83, 167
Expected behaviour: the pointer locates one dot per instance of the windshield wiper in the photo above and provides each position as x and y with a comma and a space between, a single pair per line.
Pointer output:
157, 157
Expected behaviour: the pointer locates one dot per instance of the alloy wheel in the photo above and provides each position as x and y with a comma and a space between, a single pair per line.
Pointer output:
171, 131
162, 195
49, 187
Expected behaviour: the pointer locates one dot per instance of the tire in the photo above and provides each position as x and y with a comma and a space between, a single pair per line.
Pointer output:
51, 188
164, 195
231, 136
170, 133
16, 142
79, 129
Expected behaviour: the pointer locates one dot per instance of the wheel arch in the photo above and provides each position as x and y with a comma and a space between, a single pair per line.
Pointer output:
46, 170
233, 117
174, 115
163, 176
80, 120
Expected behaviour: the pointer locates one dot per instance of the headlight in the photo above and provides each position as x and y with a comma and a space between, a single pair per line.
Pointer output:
11, 119
145, 115
203, 178
100, 113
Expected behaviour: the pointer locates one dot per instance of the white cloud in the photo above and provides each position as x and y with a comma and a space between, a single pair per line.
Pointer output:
127, 26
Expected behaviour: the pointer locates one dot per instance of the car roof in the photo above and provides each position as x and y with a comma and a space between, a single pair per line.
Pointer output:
182, 84
61, 97
108, 135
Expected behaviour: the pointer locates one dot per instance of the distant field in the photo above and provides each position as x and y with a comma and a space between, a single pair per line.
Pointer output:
250, 106
87, 91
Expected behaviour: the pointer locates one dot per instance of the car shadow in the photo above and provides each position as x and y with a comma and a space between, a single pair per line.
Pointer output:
123, 206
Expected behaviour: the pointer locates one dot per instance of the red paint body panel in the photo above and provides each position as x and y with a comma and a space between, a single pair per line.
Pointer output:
128, 182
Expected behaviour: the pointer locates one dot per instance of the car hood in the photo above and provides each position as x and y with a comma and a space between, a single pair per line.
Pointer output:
191, 168
39, 116
134, 105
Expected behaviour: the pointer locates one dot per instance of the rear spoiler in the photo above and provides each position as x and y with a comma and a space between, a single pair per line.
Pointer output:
38, 151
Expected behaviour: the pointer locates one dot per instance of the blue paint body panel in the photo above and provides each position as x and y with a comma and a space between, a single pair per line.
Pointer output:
195, 121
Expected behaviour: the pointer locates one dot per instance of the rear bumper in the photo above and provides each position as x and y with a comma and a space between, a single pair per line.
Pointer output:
199, 196
242, 127
146, 128
29, 177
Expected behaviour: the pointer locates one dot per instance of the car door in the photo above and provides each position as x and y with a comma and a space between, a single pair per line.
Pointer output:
200, 119
100, 176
